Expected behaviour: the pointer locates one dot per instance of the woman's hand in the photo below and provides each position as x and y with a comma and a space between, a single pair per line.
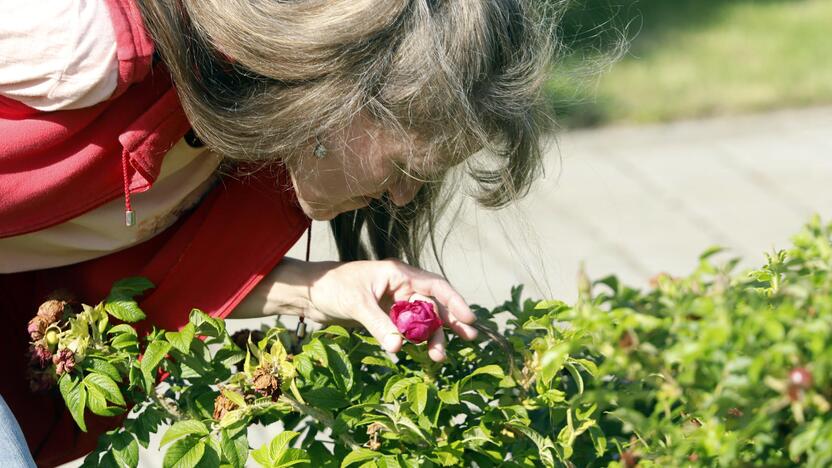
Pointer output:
359, 292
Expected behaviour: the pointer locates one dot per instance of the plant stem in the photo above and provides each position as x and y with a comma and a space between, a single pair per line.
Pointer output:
166, 405
322, 417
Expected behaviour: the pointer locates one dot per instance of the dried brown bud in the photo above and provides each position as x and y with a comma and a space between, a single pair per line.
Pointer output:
64, 361
801, 378
222, 406
37, 327
630, 459
628, 340
657, 279
41, 356
51, 311
266, 382
374, 428
735, 413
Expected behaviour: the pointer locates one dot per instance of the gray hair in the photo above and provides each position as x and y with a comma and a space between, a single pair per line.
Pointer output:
258, 79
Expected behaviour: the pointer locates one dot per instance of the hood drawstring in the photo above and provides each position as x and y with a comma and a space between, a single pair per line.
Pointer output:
129, 214
300, 331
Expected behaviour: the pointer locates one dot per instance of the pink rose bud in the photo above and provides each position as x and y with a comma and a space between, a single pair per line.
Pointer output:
42, 355
415, 320
64, 361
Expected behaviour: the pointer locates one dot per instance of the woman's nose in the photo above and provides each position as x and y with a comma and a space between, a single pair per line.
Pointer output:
403, 192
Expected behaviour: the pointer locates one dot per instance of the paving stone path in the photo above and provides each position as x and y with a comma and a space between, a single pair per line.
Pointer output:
636, 201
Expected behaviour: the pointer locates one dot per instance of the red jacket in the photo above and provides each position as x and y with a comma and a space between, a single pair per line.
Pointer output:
55, 166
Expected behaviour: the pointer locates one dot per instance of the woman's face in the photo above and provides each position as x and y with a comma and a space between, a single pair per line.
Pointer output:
362, 163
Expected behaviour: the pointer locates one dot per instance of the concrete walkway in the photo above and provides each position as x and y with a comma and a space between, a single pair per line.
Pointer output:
634, 202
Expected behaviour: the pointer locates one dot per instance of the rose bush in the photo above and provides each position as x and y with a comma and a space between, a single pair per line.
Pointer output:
718, 368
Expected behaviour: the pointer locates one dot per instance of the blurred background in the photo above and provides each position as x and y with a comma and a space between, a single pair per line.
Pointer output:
683, 124
682, 59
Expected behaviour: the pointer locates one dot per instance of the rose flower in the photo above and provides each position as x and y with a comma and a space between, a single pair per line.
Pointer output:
415, 320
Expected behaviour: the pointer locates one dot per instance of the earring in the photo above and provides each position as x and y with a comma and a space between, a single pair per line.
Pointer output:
320, 149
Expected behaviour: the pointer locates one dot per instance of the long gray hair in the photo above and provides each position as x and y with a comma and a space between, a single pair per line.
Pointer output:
259, 79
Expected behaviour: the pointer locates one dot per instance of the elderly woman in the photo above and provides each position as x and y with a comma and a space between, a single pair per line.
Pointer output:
191, 142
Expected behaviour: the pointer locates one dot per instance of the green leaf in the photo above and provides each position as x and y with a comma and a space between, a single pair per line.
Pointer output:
181, 340
377, 361
103, 367
96, 401
122, 328
235, 397
292, 457
326, 398
229, 357
125, 450
108, 461
396, 387
280, 443
359, 455
182, 429
552, 362
107, 386
124, 309
131, 287
206, 325
120, 303
124, 341
75, 397
710, 252
304, 365
590, 366
335, 330
599, 440
185, 452
450, 396
340, 366
235, 450
156, 351
576, 375
552, 306
492, 370
317, 351
544, 444
147, 422
804, 440
277, 453
417, 395
211, 457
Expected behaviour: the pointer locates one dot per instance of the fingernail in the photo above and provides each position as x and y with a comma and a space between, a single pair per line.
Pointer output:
471, 331
391, 342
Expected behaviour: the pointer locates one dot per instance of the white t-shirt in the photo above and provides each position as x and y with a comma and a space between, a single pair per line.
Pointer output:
58, 55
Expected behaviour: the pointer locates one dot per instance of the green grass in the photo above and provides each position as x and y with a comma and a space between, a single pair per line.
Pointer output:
691, 58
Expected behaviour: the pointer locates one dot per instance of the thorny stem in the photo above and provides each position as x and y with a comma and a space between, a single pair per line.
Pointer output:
166, 405
322, 417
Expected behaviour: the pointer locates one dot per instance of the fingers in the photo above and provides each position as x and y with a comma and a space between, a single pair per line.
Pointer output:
379, 325
436, 346
452, 308
432, 285
465, 331
462, 329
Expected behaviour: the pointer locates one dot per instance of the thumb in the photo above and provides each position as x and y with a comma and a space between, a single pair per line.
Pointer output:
370, 315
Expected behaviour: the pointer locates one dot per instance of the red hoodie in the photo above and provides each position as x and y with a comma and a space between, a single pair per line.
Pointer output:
57, 165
